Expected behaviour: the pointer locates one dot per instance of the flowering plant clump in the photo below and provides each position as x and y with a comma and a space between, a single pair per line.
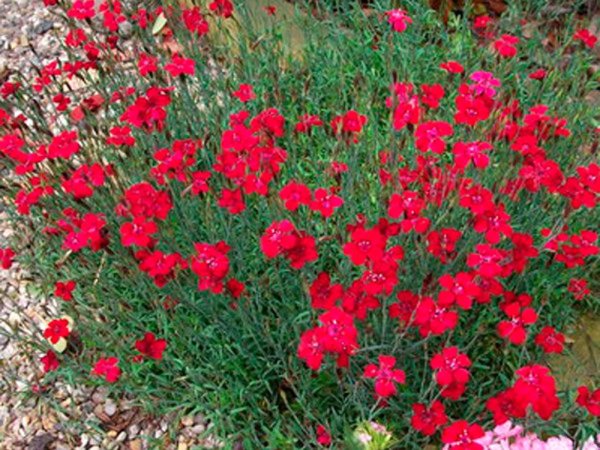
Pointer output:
392, 223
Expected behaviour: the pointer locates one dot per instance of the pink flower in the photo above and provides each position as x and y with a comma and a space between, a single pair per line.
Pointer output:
399, 19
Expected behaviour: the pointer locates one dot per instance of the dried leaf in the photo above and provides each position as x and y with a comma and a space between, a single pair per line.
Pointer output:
159, 24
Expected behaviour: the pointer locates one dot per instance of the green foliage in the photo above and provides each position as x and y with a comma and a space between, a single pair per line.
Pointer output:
238, 365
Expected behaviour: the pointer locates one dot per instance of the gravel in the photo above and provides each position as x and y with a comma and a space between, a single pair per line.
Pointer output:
87, 418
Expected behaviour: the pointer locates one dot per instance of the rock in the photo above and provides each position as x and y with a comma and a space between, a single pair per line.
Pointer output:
48, 422
43, 27
42, 442
133, 430
164, 425
198, 429
84, 440
187, 421
110, 408
121, 437
136, 444
182, 446
111, 434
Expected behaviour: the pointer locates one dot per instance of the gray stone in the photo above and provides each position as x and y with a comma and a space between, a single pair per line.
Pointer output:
43, 27
110, 408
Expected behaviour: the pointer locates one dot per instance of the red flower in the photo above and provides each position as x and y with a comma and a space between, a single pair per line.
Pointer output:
323, 294
382, 276
325, 202
337, 334
244, 93
6, 258
405, 104
591, 402
519, 315
433, 318
232, 200
223, 8
138, 232
160, 266
452, 67
279, 238
295, 194
442, 244
270, 10
428, 420
385, 376
150, 346
477, 199
235, 288
539, 74
62, 102
506, 405
487, 261
482, 22
431, 95
461, 435
578, 287
194, 21
404, 308
121, 136
523, 250
175, 162
148, 110
304, 252
350, 123
467, 152
50, 361
82, 9
311, 348
408, 207
64, 145
180, 66
452, 372
200, 182
366, 245
64, 290
147, 64
323, 436
471, 110
536, 387
142, 199
357, 302
107, 368
307, 122
398, 19
585, 36
211, 265
505, 45
460, 290
550, 340
428, 136
82, 182
85, 232
494, 223
9, 88
57, 329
